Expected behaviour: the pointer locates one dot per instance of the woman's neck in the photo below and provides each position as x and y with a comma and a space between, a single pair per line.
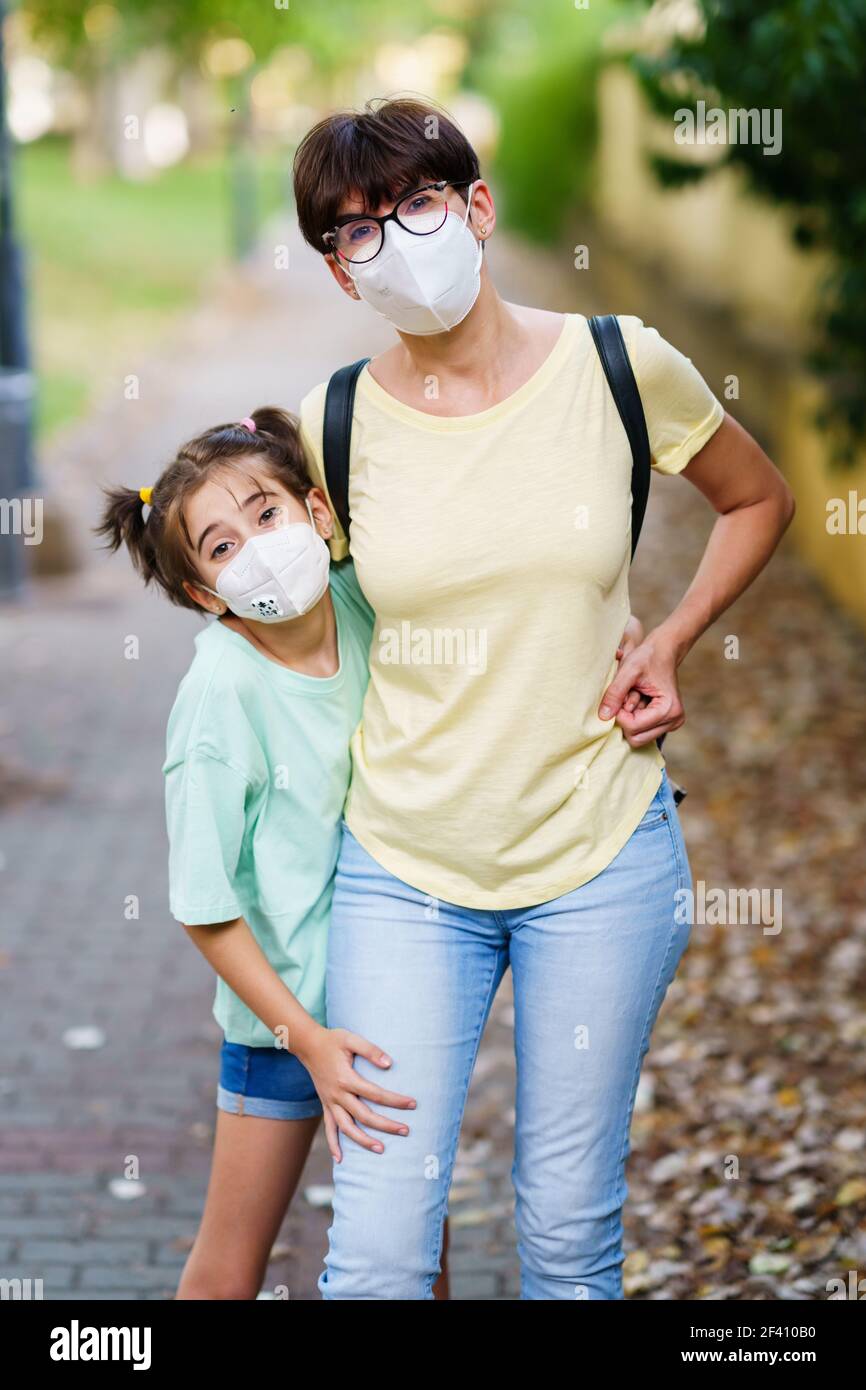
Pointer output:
487, 333
484, 359
307, 644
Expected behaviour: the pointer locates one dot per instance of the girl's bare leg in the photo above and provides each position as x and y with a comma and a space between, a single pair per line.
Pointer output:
257, 1164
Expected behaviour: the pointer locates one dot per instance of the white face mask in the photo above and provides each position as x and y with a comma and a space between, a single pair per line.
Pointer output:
276, 575
424, 284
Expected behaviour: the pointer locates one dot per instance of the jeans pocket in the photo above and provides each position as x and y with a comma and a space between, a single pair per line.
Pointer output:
656, 813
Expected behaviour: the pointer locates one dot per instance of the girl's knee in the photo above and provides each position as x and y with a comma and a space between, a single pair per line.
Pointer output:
217, 1280
215, 1287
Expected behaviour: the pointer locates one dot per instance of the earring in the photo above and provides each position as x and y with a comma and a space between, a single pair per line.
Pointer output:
483, 228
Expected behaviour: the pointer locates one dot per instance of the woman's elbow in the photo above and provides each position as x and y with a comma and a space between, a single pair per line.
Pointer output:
787, 505
782, 500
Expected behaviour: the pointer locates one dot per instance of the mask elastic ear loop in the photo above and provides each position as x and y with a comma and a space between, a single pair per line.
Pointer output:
312, 518
469, 202
480, 255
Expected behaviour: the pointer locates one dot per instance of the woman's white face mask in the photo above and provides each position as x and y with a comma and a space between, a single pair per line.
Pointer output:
276, 575
423, 284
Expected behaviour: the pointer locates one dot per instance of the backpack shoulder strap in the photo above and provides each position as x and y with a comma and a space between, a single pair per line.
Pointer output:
337, 436
608, 339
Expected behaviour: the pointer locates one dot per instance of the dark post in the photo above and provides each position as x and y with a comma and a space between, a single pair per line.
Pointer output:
16, 382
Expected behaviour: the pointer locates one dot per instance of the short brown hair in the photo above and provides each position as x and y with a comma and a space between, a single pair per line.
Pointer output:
379, 153
158, 543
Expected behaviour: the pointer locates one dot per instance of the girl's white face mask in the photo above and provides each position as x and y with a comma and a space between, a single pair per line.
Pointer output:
423, 284
277, 575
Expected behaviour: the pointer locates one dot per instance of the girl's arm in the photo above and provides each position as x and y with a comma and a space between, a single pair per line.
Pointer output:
327, 1053
754, 506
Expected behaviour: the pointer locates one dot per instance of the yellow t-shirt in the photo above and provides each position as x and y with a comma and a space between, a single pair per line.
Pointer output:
494, 549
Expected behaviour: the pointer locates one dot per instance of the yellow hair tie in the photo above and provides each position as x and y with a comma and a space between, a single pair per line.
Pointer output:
145, 493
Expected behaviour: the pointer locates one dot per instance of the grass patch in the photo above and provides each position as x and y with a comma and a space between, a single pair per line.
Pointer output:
111, 262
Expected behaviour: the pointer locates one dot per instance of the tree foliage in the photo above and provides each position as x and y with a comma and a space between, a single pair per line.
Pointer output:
539, 65
335, 33
808, 59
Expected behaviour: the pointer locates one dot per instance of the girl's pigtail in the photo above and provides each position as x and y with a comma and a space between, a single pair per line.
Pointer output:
281, 428
123, 523
281, 424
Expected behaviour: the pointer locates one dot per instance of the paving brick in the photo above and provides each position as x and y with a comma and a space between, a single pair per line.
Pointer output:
29, 1227
62, 1204
44, 1182
96, 1296
53, 1277
186, 1207
108, 1252
167, 1255
473, 1286
13, 1206
156, 1228
107, 1277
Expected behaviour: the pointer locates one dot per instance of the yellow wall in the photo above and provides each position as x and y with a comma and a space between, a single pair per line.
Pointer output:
720, 247
839, 560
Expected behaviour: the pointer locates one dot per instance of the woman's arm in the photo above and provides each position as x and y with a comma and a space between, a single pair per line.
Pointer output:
327, 1053
754, 506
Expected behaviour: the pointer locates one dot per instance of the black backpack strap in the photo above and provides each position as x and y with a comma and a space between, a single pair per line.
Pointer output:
608, 339
337, 436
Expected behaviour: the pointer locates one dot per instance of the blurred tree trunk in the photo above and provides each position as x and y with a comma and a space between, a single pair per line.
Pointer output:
111, 139
196, 96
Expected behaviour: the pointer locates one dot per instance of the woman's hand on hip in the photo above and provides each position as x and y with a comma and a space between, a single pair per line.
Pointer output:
329, 1059
644, 695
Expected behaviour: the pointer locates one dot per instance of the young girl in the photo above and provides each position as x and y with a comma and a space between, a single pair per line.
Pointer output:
257, 770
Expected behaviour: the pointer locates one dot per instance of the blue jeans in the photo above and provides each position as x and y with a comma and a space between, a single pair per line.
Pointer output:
418, 976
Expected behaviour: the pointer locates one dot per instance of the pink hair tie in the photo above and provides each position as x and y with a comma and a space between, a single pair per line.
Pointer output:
249, 424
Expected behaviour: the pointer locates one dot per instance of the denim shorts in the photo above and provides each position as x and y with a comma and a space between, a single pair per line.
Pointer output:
268, 1082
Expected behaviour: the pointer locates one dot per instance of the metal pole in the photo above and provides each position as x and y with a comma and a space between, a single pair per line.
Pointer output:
16, 382
14, 347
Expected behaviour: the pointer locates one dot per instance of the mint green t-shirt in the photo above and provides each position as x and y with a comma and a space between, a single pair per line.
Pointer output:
257, 769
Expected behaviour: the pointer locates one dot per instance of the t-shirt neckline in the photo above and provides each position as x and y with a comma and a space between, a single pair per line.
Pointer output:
297, 681
561, 349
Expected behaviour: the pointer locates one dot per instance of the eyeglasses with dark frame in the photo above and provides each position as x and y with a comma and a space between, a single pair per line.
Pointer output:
358, 239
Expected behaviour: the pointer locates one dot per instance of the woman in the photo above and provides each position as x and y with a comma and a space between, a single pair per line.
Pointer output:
509, 803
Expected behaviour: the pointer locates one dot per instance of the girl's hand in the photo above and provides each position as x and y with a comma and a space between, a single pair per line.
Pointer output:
329, 1059
650, 671
631, 639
